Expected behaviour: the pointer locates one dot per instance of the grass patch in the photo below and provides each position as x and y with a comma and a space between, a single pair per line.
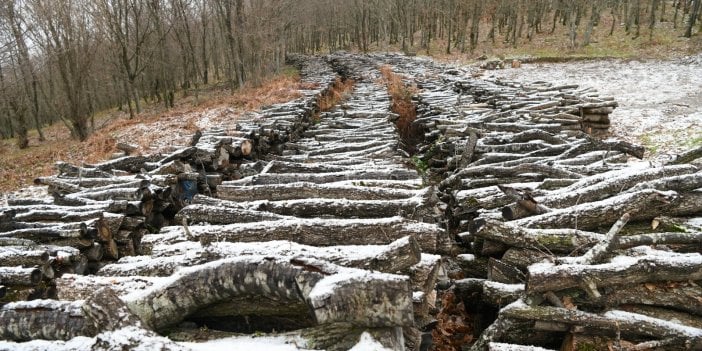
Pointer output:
648, 142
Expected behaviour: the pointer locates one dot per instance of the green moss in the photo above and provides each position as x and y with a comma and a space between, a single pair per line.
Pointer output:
695, 141
420, 165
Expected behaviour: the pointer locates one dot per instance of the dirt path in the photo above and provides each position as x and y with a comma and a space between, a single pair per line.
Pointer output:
660, 102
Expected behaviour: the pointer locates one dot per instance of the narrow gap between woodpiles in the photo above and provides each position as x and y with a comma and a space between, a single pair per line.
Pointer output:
401, 95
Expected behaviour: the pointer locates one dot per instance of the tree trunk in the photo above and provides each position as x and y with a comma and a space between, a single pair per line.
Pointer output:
694, 12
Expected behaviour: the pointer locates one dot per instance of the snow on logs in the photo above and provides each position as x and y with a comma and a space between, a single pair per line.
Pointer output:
330, 238
98, 213
540, 204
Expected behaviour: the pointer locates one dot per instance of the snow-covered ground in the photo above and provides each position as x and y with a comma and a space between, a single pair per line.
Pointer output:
660, 102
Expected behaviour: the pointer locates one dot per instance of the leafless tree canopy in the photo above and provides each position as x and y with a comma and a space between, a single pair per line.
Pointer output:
65, 60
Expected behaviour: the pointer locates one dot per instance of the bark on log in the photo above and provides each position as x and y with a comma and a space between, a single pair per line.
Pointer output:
334, 294
222, 213
277, 192
599, 252
642, 205
615, 183
23, 256
612, 145
626, 323
653, 266
43, 319
105, 311
687, 156
499, 346
682, 296
629, 241
494, 293
417, 207
19, 276
275, 178
554, 240
319, 232
424, 274
397, 256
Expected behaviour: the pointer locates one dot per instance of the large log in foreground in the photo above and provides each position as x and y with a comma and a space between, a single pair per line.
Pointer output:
333, 293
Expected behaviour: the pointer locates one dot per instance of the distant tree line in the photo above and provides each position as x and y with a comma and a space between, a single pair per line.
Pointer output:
462, 24
66, 60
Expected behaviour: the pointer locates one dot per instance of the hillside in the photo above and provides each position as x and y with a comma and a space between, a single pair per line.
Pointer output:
156, 130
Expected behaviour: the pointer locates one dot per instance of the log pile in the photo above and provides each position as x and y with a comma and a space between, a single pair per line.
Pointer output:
540, 209
527, 231
317, 227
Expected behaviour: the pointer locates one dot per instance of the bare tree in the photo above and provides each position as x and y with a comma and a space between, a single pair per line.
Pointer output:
128, 25
65, 33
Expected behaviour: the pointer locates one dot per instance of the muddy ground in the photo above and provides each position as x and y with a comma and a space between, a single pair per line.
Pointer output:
660, 102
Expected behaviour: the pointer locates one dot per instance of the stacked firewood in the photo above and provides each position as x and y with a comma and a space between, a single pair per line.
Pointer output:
540, 208
327, 235
96, 214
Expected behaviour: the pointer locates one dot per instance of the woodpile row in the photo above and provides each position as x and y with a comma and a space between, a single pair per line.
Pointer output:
566, 242
97, 214
325, 236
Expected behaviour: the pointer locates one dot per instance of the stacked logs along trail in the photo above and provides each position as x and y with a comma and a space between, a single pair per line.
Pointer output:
540, 206
524, 228
302, 221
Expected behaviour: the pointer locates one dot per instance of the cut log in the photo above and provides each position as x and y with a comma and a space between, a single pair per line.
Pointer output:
277, 192
643, 205
106, 312
221, 212
494, 293
334, 294
275, 178
554, 240
23, 256
499, 346
615, 183
417, 207
73, 287
424, 274
687, 156
611, 145
599, 252
609, 323
397, 256
653, 266
629, 241
319, 232
682, 296
69, 170
127, 147
43, 319
20, 276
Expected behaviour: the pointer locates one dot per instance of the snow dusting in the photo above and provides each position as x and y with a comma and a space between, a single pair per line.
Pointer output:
368, 343
660, 102
262, 343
